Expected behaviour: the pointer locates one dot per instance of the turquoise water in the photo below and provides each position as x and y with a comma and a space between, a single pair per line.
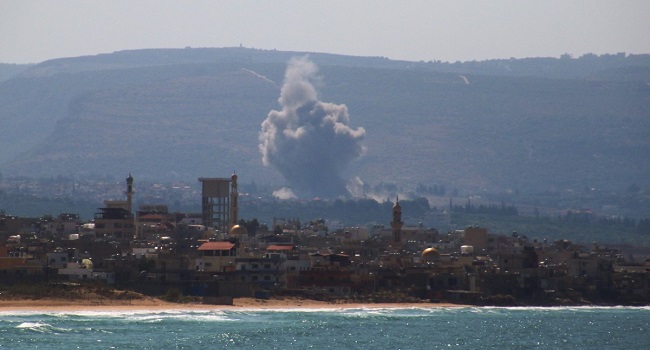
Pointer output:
409, 328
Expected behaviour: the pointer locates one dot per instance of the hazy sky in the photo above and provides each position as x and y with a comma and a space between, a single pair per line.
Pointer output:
447, 30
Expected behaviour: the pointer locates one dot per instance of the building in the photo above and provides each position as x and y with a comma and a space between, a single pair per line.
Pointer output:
62, 226
329, 274
219, 202
397, 224
114, 221
476, 237
116, 218
216, 256
266, 273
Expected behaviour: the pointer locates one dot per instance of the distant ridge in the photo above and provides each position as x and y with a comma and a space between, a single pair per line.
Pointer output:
537, 124
162, 57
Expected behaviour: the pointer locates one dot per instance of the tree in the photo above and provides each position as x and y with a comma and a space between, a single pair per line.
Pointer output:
251, 226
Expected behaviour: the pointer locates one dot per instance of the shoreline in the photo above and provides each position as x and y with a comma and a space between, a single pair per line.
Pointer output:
239, 304
147, 303
59, 305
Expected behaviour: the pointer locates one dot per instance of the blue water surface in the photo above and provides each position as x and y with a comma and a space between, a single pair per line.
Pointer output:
408, 328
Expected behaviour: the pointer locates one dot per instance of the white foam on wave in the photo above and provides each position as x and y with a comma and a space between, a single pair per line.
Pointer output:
550, 309
227, 315
130, 315
352, 311
41, 327
284, 310
33, 325
208, 316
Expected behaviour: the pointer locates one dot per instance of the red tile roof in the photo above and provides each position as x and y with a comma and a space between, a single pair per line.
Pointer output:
151, 217
217, 246
279, 247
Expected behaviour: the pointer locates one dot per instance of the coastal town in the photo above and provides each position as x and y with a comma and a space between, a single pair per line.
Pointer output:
215, 256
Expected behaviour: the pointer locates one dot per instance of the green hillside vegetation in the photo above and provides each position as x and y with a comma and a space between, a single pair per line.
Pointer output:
527, 126
584, 228
30, 206
626, 231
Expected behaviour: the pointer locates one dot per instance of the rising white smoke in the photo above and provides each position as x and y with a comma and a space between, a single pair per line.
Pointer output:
309, 141
284, 193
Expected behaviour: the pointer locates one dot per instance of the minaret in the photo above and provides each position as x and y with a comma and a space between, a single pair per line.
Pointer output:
129, 194
397, 224
233, 201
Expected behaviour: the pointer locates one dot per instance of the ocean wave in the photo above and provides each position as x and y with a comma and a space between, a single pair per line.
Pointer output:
113, 313
381, 328
583, 308
41, 327
33, 320
228, 314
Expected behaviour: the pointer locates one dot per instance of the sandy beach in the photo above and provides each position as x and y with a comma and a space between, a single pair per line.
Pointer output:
152, 304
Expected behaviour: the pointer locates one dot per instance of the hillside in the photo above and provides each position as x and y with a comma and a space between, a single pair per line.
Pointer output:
7, 71
183, 114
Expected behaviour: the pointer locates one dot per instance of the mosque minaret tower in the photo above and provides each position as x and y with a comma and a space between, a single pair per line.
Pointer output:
397, 224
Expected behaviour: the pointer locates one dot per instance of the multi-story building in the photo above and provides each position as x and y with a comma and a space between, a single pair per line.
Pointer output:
219, 202
267, 272
116, 219
216, 257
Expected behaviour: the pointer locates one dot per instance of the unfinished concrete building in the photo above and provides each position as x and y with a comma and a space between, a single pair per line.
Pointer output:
219, 202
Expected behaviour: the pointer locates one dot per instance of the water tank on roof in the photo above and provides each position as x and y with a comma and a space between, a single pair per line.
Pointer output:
467, 249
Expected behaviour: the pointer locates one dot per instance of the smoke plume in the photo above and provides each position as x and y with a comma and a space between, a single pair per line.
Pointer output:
309, 141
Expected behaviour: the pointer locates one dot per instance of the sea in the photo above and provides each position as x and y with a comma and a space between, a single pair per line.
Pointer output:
332, 328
